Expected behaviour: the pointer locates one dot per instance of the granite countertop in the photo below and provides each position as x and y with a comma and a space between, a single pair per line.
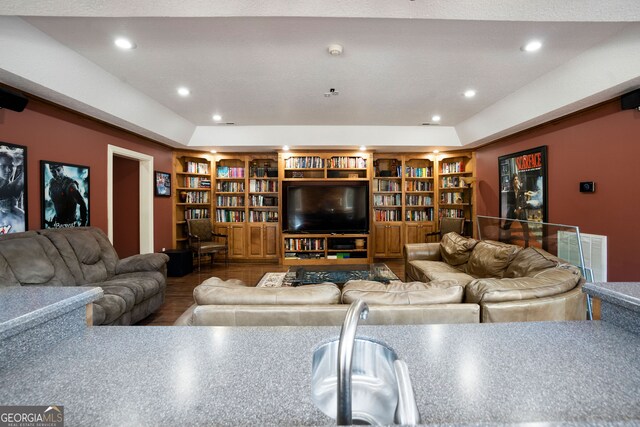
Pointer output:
472, 373
23, 307
625, 294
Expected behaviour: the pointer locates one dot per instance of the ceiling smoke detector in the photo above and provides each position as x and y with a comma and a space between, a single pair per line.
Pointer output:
332, 91
335, 49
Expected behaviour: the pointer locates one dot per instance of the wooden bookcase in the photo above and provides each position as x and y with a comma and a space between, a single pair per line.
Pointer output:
242, 194
324, 167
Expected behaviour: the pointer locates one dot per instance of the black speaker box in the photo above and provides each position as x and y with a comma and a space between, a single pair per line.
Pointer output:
180, 262
630, 100
12, 100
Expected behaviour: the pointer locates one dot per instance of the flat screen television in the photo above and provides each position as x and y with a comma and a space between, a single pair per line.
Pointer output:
326, 208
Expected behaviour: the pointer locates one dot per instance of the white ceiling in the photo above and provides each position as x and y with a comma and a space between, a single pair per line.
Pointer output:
264, 66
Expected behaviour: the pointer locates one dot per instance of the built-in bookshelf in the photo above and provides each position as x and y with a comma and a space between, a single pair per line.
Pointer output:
230, 189
455, 178
419, 189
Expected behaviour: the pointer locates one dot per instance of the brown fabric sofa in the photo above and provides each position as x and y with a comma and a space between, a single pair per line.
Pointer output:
509, 283
232, 303
133, 287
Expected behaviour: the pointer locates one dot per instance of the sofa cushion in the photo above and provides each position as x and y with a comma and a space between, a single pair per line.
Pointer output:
28, 261
124, 293
530, 261
224, 292
427, 271
546, 283
108, 308
143, 286
436, 292
455, 249
490, 258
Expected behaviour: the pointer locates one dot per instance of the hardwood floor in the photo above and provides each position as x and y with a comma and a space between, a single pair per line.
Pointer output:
179, 293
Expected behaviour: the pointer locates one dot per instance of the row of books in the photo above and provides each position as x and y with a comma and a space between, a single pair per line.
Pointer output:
419, 200
452, 167
197, 197
263, 216
230, 201
197, 167
196, 213
347, 162
230, 186
419, 186
425, 172
304, 162
263, 186
451, 181
259, 200
387, 214
224, 215
304, 244
421, 215
230, 172
385, 185
451, 198
196, 182
387, 199
452, 213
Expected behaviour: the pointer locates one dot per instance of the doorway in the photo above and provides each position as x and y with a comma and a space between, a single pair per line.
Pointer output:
145, 199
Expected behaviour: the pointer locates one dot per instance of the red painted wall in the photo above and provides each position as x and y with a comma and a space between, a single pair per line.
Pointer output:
51, 133
602, 145
126, 206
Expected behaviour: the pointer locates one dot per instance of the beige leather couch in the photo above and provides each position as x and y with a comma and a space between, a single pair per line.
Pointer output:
510, 284
232, 303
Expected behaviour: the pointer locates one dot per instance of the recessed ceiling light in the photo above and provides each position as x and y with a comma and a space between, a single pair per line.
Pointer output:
217, 117
436, 151
532, 46
469, 93
285, 148
435, 118
183, 91
363, 148
123, 43
213, 151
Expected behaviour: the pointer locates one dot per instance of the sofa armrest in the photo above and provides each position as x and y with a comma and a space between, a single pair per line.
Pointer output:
186, 318
142, 262
422, 251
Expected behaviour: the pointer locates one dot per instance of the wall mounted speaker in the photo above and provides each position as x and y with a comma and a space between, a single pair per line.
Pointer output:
588, 187
12, 100
630, 100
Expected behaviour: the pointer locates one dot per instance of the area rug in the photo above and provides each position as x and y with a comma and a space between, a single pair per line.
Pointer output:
271, 280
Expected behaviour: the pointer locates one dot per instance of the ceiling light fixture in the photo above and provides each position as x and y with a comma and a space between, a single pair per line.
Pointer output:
436, 151
470, 93
532, 46
213, 151
217, 117
363, 148
285, 148
435, 118
335, 49
183, 91
123, 43
332, 91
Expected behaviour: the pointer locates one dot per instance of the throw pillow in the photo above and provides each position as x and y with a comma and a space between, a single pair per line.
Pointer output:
530, 261
455, 249
490, 258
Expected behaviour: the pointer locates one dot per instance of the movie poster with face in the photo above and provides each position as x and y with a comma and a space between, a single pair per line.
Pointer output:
523, 185
13, 197
65, 195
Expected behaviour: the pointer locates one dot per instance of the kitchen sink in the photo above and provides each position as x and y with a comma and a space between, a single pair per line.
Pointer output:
380, 386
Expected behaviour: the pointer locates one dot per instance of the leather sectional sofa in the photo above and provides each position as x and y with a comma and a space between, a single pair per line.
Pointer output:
458, 280
133, 287
509, 283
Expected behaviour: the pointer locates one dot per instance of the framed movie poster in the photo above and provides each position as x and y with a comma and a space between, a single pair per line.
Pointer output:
13, 188
65, 195
162, 186
523, 185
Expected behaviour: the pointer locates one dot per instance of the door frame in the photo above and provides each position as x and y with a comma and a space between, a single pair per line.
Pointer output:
146, 194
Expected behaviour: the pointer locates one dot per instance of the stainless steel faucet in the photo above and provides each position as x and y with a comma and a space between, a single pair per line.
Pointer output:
358, 310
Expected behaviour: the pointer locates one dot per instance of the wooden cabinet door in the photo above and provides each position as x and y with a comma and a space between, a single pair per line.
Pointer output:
394, 240
236, 241
379, 240
262, 241
270, 240
255, 246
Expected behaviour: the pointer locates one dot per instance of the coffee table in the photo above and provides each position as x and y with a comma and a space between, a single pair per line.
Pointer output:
338, 274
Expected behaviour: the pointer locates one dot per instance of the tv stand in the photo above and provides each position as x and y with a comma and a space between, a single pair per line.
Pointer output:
325, 248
